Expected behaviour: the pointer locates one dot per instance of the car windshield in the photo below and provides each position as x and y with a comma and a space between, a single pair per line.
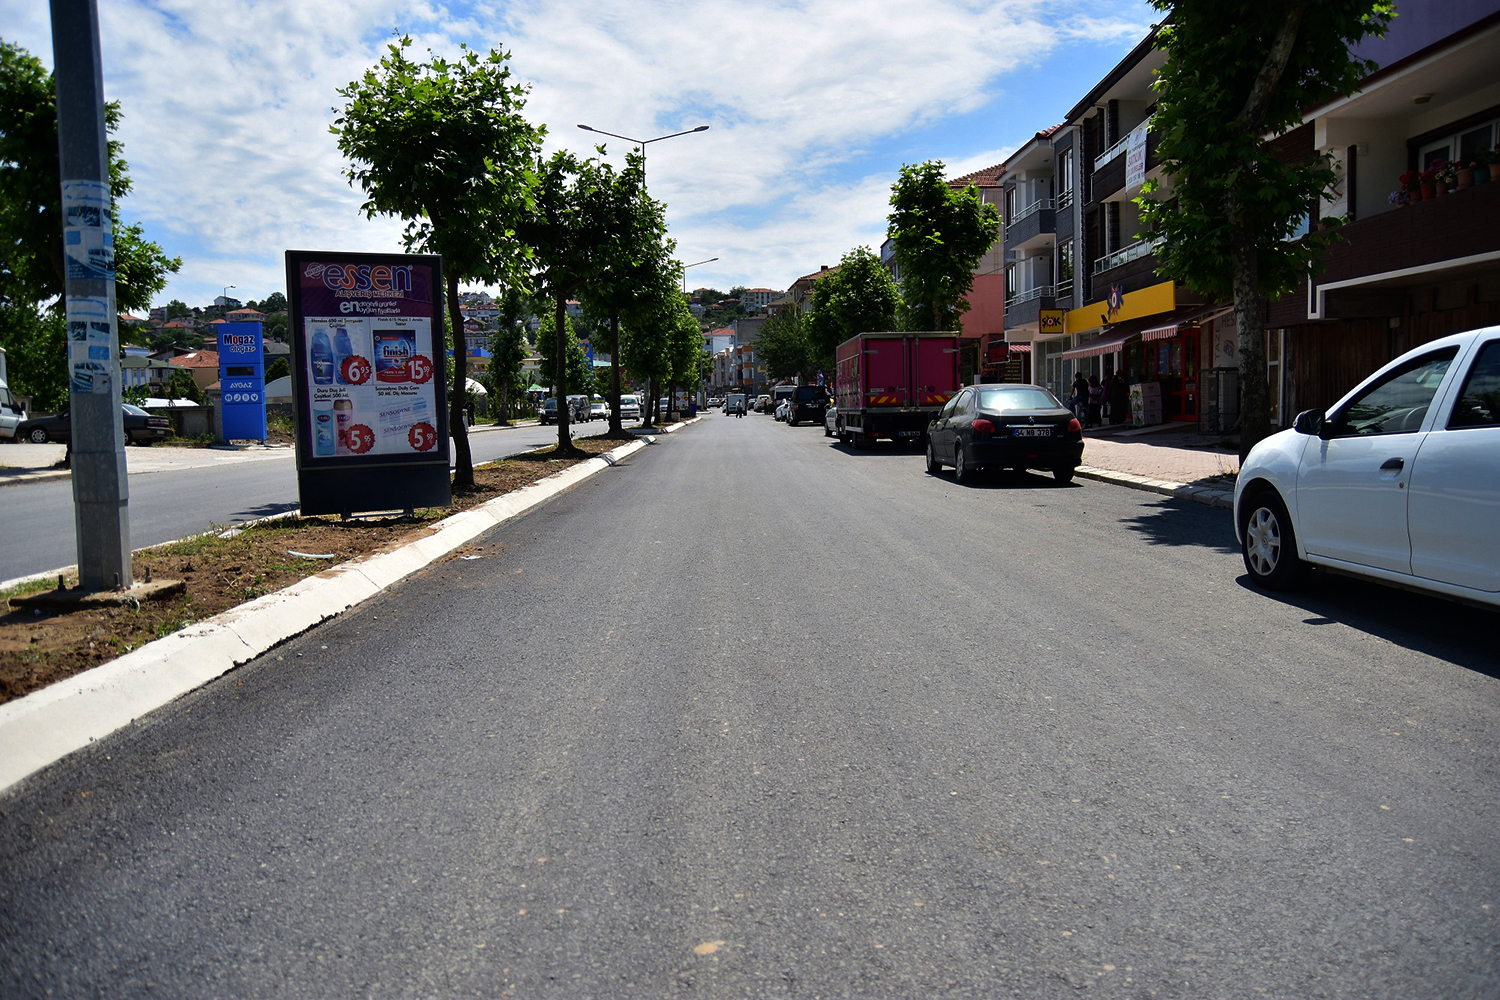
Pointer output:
1030, 397
134, 411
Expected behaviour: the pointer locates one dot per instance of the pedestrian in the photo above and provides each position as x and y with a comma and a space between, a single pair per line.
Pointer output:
1095, 401
1079, 401
1117, 398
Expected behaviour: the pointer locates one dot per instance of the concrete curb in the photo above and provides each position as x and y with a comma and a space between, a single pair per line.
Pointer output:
1163, 487
47, 725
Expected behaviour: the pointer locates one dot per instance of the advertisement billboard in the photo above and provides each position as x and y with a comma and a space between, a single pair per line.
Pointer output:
242, 381
367, 381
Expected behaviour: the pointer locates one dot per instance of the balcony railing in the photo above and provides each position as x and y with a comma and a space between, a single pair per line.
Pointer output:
1065, 288
1039, 292
1119, 147
1030, 210
1126, 254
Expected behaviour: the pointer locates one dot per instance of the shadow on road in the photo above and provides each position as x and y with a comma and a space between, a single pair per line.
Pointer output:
1184, 522
1446, 630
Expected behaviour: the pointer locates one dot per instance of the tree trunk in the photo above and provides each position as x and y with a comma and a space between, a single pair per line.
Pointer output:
560, 371
1255, 413
463, 459
648, 419
615, 426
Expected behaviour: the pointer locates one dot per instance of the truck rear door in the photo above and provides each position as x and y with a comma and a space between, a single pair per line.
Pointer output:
885, 372
934, 370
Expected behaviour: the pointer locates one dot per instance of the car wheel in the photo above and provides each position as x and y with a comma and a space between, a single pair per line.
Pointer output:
789, 420
1270, 545
1065, 475
37, 435
960, 469
933, 465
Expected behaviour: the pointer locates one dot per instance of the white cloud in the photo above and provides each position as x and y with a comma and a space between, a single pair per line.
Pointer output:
814, 104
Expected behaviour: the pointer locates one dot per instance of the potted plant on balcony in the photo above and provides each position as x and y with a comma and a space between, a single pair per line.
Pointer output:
1442, 174
1410, 189
1463, 172
1486, 166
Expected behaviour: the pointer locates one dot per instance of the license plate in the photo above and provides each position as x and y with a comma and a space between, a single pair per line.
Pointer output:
910, 434
1032, 432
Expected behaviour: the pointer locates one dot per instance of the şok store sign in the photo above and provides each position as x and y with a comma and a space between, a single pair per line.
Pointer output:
372, 427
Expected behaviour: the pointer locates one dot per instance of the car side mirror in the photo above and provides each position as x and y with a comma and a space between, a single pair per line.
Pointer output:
1309, 422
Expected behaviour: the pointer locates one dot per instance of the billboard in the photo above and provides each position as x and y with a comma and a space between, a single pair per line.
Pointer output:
367, 382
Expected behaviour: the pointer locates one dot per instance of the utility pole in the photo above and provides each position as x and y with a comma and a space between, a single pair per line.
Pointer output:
101, 497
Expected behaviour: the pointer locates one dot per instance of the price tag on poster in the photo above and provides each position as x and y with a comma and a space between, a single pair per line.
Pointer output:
367, 380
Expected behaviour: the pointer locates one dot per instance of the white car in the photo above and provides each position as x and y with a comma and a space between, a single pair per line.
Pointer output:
630, 407
1398, 481
598, 410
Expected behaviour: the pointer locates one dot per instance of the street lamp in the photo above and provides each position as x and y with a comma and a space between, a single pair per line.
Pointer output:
225, 310
643, 143
686, 266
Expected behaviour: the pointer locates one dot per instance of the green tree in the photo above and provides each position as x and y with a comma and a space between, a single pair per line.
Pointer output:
782, 349
1227, 210
273, 303
571, 221
859, 297
443, 145
278, 368
32, 272
178, 309
636, 257
646, 332
939, 233
508, 350
578, 373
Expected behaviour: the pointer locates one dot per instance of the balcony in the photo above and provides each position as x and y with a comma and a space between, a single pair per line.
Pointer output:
1024, 308
1108, 177
1125, 255
1035, 225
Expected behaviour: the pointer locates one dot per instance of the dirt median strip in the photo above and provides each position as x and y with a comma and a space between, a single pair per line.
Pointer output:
55, 715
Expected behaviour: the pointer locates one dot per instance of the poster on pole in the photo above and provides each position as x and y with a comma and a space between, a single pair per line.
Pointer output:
367, 381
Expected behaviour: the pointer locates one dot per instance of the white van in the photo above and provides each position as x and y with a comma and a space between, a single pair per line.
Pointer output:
11, 413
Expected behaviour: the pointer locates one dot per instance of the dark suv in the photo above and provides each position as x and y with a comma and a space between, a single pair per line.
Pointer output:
808, 403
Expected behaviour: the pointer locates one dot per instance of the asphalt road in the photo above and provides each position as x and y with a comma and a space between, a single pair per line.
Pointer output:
169, 504
754, 715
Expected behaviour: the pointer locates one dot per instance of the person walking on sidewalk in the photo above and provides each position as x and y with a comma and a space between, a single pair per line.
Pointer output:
1095, 401
1078, 402
1117, 398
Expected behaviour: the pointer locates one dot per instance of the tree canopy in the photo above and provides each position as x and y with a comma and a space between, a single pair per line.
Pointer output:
859, 297
32, 273
443, 145
939, 234
1228, 209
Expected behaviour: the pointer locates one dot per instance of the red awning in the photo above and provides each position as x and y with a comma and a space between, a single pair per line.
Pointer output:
1019, 347
1160, 332
1109, 343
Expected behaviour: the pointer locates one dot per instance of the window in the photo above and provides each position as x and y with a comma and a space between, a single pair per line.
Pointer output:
1397, 403
1479, 402
1459, 146
1064, 265
1064, 177
1014, 400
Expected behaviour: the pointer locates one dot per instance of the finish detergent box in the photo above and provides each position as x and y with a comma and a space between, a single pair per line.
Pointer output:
393, 351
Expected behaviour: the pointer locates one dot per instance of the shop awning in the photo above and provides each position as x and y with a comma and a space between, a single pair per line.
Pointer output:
1019, 346
1160, 332
1169, 330
1108, 343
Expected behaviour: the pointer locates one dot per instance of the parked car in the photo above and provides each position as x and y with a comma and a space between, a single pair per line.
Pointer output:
781, 409
630, 407
830, 420
806, 403
1004, 427
763, 403
12, 415
598, 410
1398, 481
547, 412
578, 408
140, 426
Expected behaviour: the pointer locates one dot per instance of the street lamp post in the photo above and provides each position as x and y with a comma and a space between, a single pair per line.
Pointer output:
686, 266
643, 143
225, 310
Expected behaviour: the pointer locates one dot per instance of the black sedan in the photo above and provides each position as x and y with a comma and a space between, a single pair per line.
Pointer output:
1004, 427
140, 427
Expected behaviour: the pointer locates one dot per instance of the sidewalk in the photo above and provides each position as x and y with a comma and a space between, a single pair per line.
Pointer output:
1172, 460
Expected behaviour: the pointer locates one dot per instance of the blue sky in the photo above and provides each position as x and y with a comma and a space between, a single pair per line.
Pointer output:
813, 106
